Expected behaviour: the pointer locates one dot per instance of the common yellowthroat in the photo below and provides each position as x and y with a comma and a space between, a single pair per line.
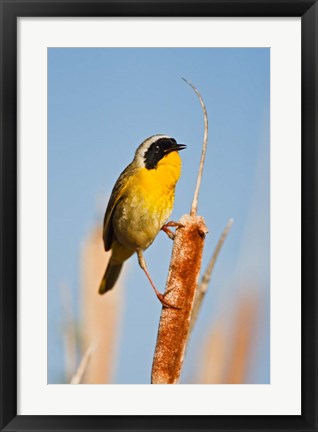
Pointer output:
140, 205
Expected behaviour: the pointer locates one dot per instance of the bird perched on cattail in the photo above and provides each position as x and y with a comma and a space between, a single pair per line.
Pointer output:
140, 205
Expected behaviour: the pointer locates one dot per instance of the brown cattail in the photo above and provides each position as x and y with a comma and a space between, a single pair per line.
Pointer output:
180, 291
245, 324
101, 314
229, 345
213, 362
182, 282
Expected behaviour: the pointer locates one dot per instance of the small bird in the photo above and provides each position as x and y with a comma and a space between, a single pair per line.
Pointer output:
140, 205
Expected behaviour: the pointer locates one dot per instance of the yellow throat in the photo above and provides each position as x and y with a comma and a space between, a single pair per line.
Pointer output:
165, 176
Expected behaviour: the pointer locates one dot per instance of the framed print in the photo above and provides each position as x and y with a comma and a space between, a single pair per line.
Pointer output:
94, 117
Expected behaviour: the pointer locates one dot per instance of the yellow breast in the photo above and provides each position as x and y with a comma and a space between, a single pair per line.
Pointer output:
148, 203
161, 180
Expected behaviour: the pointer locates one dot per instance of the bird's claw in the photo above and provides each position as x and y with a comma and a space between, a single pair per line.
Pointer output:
164, 302
170, 233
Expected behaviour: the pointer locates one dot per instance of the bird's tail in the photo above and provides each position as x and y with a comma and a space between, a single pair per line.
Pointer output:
110, 277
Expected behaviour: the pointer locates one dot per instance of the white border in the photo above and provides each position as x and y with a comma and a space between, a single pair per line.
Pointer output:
282, 396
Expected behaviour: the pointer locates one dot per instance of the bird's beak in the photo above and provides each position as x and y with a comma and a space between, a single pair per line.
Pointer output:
174, 147
181, 147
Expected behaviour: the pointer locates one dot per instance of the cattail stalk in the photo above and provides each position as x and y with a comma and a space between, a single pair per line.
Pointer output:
213, 361
101, 315
243, 340
180, 290
181, 285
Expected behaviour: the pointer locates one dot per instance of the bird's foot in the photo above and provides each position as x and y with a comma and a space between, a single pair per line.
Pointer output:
165, 303
160, 296
173, 224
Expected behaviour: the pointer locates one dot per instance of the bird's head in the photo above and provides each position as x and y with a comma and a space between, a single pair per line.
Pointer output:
155, 149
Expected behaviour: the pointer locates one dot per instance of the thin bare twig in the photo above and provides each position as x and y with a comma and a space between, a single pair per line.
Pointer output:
79, 374
202, 288
194, 206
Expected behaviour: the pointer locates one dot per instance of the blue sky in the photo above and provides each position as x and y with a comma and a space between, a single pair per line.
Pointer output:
102, 103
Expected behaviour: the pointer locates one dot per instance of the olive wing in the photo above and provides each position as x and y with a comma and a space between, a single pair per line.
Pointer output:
115, 198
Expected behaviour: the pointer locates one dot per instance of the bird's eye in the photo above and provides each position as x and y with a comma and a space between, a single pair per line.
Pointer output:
157, 148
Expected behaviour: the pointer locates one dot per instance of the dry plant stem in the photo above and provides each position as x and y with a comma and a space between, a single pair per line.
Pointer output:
202, 288
243, 339
180, 291
194, 206
69, 331
77, 378
100, 315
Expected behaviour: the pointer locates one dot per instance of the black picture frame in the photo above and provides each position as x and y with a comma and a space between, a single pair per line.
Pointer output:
10, 11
